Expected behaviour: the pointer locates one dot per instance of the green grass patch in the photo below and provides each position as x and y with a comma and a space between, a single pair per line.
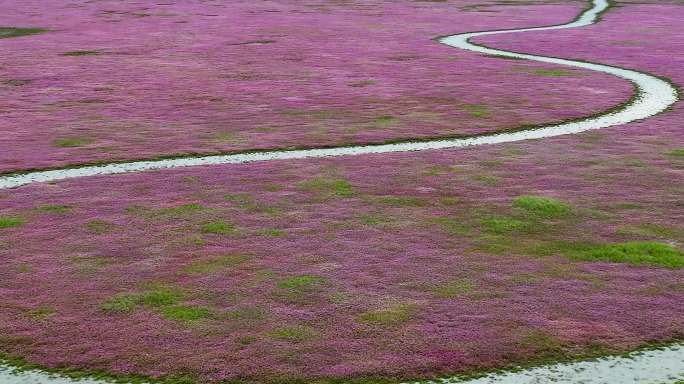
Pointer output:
479, 111
328, 187
41, 313
247, 314
7, 32
552, 72
637, 253
647, 230
11, 221
303, 282
185, 313
384, 121
180, 210
248, 203
678, 152
216, 264
71, 142
121, 303
300, 289
272, 232
388, 317
544, 345
56, 209
449, 200
218, 227
543, 207
81, 53
295, 333
402, 201
99, 226
453, 289
160, 297
155, 297
361, 83
503, 225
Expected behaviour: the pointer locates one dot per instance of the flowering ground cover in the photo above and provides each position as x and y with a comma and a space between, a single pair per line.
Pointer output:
112, 80
382, 267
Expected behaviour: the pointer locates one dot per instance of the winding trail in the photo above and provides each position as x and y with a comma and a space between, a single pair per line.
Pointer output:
653, 95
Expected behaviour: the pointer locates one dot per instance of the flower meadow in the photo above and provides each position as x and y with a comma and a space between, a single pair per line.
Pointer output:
113, 80
374, 268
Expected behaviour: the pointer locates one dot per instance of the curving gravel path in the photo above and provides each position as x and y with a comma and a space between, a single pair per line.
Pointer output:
653, 95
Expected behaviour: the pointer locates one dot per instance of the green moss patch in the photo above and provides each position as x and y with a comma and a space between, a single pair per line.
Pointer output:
55, 209
402, 201
11, 221
218, 227
453, 289
502, 225
99, 226
71, 142
300, 289
328, 187
543, 207
479, 111
7, 32
679, 153
295, 334
388, 317
638, 253
81, 53
185, 313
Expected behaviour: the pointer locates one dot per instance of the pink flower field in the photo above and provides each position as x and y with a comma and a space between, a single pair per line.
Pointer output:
360, 269
114, 80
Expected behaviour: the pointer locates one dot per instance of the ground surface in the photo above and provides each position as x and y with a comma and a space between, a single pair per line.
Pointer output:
402, 265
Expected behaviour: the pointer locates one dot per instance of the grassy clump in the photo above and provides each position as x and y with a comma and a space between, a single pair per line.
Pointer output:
218, 227
7, 32
552, 72
41, 313
249, 203
180, 210
99, 226
479, 111
544, 345
402, 201
185, 313
502, 225
81, 53
453, 289
384, 121
71, 142
121, 303
56, 209
543, 207
163, 299
295, 334
303, 282
647, 230
300, 289
679, 153
391, 316
11, 221
216, 264
637, 253
328, 187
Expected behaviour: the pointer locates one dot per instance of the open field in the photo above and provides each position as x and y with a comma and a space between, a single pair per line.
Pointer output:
383, 267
